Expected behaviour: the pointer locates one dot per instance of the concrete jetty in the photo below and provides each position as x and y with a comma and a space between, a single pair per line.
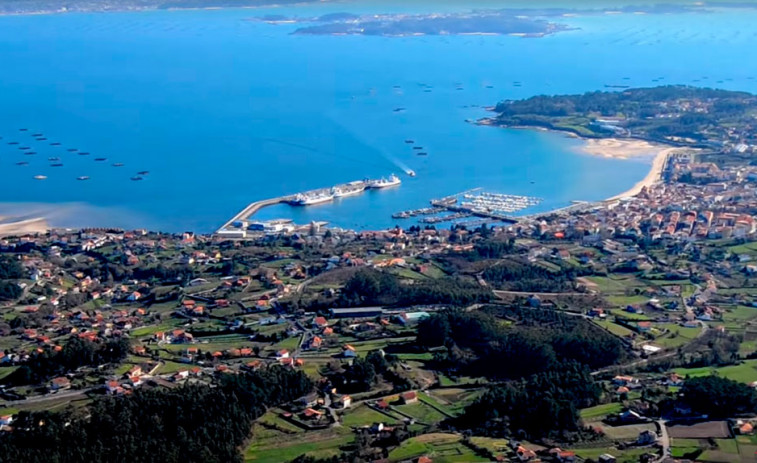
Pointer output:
229, 230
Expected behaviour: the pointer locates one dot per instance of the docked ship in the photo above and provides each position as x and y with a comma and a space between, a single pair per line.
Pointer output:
311, 200
340, 193
393, 180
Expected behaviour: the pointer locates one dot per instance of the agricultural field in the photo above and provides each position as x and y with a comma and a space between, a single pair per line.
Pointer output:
422, 412
451, 400
275, 447
614, 328
745, 372
440, 447
676, 335
362, 415
630, 455
599, 412
628, 432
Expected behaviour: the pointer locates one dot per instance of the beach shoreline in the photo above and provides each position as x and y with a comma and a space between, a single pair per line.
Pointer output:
614, 148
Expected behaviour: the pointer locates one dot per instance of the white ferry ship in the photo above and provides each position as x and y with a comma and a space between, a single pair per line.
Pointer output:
340, 193
310, 200
393, 180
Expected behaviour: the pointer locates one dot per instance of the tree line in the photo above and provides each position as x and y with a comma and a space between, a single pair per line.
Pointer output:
192, 423
535, 341
374, 287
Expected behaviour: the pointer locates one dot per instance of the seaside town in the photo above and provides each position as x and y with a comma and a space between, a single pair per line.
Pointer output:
381, 331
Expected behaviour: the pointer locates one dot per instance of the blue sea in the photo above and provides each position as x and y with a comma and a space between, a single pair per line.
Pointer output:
223, 111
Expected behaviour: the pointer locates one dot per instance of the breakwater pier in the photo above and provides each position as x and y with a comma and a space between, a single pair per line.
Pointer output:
241, 223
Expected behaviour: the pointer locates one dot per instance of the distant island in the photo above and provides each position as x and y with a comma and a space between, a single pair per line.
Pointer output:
511, 20
674, 115
501, 22
20, 7
525, 22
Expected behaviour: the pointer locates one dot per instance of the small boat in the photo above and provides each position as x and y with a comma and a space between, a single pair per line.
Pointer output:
101, 159
490, 86
55, 144
23, 130
136, 178
41, 139
39, 177
398, 110
72, 150
37, 134
410, 172
409, 141
143, 172
30, 153
83, 153
13, 143
417, 147
118, 164
56, 165
22, 163
83, 177
53, 159
422, 153
24, 148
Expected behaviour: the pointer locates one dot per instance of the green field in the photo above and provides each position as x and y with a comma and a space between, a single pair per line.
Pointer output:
624, 456
677, 335
614, 285
600, 411
628, 315
287, 447
452, 401
746, 372
172, 367
747, 248
442, 448
740, 313
614, 328
422, 413
362, 415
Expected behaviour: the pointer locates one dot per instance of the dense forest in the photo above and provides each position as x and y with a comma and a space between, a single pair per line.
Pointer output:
718, 397
75, 353
373, 287
192, 423
512, 275
657, 113
10, 270
542, 405
532, 341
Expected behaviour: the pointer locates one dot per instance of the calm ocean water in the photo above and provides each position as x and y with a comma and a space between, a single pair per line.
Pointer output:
222, 111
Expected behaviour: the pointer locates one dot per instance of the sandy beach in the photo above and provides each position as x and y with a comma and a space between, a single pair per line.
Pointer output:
10, 227
615, 148
654, 175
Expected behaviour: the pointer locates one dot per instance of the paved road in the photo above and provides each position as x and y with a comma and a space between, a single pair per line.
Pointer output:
69, 394
664, 440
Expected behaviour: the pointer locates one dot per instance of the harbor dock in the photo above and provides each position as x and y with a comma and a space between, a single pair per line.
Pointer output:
239, 225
